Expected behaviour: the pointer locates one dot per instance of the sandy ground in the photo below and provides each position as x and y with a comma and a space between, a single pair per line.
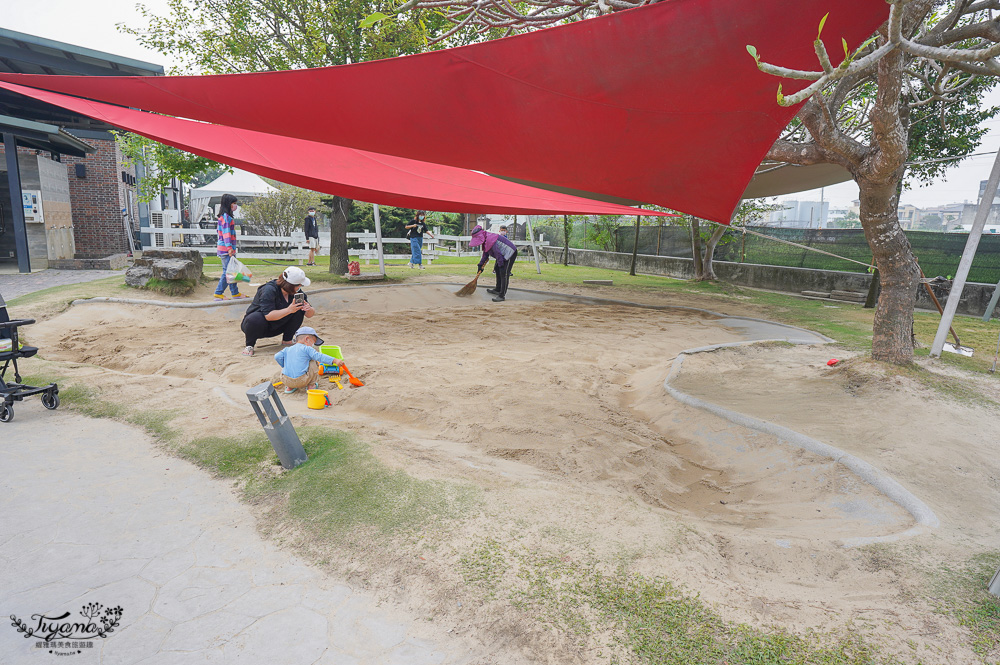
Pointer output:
557, 410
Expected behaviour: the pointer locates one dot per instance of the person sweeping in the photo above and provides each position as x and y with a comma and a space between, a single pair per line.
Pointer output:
503, 251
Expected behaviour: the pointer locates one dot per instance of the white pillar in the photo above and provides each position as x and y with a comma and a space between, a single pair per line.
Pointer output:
378, 240
968, 254
531, 238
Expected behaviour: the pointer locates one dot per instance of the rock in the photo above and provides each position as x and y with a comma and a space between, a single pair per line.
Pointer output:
175, 269
137, 276
192, 255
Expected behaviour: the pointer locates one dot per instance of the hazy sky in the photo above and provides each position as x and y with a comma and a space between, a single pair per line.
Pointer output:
91, 23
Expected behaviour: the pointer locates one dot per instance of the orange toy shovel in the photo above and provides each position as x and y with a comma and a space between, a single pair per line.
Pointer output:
354, 382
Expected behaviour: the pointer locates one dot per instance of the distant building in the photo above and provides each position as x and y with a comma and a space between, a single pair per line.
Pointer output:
909, 216
800, 215
969, 217
941, 218
836, 215
982, 190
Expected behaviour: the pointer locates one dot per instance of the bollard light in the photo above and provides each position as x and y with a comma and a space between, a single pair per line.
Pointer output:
274, 419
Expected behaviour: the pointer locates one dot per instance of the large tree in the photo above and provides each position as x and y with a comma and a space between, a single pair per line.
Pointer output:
913, 90
234, 36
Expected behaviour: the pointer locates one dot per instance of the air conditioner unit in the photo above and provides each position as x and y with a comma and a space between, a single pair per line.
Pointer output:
164, 219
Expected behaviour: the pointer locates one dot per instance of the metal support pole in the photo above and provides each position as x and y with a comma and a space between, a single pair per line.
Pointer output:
276, 425
531, 238
968, 254
378, 240
16, 203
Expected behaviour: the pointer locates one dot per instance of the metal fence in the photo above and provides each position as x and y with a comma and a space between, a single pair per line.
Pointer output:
937, 253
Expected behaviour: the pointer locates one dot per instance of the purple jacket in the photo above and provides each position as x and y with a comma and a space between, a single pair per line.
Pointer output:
502, 250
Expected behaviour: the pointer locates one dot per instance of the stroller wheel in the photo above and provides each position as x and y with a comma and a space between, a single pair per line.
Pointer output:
6, 413
50, 401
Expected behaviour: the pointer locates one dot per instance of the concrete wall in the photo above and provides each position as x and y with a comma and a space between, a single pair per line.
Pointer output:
38, 251
975, 297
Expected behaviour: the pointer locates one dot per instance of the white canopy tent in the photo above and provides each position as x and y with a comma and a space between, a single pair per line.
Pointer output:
241, 184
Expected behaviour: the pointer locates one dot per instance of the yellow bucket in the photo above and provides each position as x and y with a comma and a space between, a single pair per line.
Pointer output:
332, 351
316, 399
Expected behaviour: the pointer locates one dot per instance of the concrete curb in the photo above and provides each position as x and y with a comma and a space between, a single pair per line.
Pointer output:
920, 512
203, 305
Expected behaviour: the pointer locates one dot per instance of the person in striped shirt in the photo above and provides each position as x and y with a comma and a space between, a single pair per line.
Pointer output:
225, 248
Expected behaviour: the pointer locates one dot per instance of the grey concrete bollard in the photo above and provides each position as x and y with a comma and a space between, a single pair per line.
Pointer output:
276, 424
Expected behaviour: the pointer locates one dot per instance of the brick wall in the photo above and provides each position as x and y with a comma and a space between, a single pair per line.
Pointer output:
99, 199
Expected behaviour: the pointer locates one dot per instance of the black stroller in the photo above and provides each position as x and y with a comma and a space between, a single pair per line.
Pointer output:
9, 353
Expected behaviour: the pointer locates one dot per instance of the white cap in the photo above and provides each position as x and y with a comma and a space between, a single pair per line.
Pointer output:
295, 275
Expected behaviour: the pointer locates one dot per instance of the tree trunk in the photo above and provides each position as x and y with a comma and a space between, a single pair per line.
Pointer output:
696, 247
566, 233
635, 245
338, 235
707, 271
892, 339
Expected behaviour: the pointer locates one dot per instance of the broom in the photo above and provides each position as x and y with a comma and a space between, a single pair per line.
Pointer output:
469, 288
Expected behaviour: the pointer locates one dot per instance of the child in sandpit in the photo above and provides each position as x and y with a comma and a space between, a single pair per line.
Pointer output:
300, 362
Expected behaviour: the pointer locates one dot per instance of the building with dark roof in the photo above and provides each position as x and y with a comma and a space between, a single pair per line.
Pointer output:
66, 198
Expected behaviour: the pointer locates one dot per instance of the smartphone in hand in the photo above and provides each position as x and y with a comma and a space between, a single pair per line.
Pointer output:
299, 298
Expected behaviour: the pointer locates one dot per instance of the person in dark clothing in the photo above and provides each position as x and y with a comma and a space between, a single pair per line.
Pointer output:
275, 311
415, 232
502, 251
312, 235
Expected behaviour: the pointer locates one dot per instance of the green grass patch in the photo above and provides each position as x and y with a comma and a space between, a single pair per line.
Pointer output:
228, 457
651, 619
341, 488
961, 593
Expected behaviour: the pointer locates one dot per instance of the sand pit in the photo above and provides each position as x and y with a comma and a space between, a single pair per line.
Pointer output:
555, 408
561, 386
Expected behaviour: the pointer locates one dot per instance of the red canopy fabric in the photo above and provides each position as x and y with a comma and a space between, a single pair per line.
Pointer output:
660, 104
356, 174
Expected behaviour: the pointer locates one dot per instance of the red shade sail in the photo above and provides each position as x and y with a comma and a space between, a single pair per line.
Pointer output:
660, 104
356, 174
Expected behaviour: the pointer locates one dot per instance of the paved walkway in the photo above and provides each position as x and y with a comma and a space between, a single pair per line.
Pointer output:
91, 512
14, 285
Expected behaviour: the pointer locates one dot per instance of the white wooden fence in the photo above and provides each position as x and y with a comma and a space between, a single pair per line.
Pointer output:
295, 246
